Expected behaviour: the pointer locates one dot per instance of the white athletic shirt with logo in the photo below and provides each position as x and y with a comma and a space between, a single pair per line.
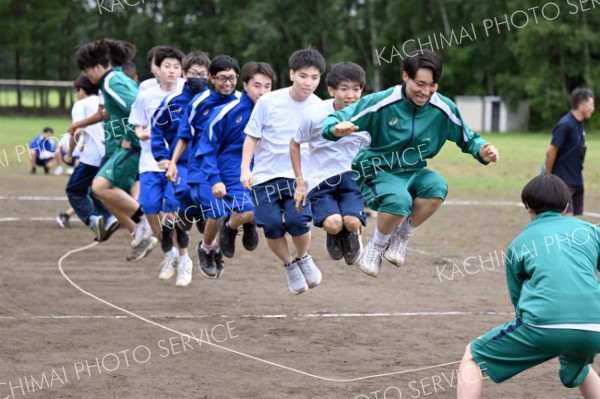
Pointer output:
141, 114
326, 158
273, 122
91, 143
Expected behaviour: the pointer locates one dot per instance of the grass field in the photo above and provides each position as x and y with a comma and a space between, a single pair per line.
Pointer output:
521, 155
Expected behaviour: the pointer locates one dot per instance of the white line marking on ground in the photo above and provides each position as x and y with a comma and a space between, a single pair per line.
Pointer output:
258, 316
242, 354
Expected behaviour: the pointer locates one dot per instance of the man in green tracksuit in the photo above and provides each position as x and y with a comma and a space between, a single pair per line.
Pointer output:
551, 270
408, 124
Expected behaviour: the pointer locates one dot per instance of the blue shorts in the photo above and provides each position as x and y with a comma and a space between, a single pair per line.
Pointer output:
337, 195
237, 199
275, 212
156, 193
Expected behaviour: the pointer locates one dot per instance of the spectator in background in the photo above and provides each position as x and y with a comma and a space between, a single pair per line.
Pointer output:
41, 150
565, 156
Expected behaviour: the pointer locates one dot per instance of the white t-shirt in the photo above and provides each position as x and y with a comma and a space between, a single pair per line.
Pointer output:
141, 114
147, 84
326, 158
92, 140
274, 121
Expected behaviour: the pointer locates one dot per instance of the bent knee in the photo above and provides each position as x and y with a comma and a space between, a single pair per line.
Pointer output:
352, 223
333, 224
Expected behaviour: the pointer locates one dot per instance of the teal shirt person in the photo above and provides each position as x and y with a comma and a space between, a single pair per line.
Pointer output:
551, 271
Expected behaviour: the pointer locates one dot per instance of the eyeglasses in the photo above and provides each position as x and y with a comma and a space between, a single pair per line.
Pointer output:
223, 79
195, 74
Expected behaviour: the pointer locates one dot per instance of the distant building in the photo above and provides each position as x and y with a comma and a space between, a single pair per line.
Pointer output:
491, 114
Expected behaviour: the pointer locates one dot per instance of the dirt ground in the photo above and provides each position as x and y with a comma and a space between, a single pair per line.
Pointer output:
58, 342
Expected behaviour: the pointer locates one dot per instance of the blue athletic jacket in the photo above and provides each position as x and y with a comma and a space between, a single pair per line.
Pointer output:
219, 151
165, 123
191, 128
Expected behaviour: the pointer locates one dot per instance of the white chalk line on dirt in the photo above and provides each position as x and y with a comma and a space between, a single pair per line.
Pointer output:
242, 354
257, 316
449, 202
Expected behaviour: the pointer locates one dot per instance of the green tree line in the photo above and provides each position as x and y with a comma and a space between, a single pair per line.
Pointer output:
518, 49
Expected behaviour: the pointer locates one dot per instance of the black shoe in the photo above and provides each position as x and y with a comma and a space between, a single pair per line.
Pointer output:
226, 238
63, 221
46, 170
250, 236
33, 170
217, 256
352, 246
334, 246
200, 226
206, 262
166, 235
106, 228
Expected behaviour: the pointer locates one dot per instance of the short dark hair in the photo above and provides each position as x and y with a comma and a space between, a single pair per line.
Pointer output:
307, 57
546, 193
423, 58
196, 57
48, 129
223, 63
254, 68
104, 52
345, 72
84, 84
580, 96
163, 52
130, 70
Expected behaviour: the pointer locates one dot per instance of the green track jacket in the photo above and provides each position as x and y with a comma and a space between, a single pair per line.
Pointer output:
551, 271
403, 135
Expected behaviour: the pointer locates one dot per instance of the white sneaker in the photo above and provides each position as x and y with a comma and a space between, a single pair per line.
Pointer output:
296, 280
141, 232
70, 170
396, 249
311, 272
370, 261
184, 273
167, 267
59, 171
142, 250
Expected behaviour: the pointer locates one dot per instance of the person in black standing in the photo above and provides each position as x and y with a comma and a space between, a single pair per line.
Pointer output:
566, 153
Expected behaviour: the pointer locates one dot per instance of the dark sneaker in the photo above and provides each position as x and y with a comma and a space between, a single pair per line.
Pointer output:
33, 170
250, 236
166, 235
106, 228
142, 250
217, 256
98, 228
352, 246
334, 246
63, 221
46, 170
206, 262
226, 238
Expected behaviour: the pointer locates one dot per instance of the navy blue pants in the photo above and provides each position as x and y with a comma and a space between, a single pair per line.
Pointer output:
79, 192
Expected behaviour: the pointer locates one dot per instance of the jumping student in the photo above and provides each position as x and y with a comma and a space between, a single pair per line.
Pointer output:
223, 72
409, 124
164, 140
100, 62
273, 123
335, 199
156, 192
220, 156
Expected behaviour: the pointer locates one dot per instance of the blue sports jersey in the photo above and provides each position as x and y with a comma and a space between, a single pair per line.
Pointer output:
219, 151
40, 143
192, 128
165, 124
